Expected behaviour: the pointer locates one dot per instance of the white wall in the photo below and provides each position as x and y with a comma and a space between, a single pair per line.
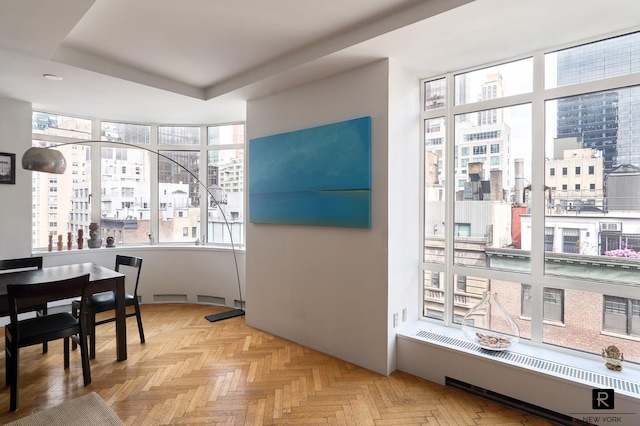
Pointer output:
404, 204
180, 271
182, 274
328, 288
15, 200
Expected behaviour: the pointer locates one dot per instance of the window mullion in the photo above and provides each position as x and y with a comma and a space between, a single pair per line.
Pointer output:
202, 175
154, 225
96, 174
449, 198
537, 198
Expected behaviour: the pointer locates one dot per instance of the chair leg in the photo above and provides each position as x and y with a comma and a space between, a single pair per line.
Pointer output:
74, 312
139, 318
84, 355
42, 312
91, 333
11, 355
7, 366
66, 352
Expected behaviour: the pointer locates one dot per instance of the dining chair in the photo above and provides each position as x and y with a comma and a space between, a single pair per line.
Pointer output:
102, 302
44, 328
22, 264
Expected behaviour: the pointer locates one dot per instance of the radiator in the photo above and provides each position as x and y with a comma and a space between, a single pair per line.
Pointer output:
558, 386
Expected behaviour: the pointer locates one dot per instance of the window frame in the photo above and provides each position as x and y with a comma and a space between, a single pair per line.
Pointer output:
204, 148
538, 277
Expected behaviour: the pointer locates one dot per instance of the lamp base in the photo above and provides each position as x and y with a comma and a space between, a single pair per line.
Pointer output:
225, 315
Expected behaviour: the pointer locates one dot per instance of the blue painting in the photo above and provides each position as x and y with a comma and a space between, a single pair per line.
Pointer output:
318, 176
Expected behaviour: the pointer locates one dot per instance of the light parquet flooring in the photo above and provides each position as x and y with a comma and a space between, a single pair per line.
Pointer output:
192, 372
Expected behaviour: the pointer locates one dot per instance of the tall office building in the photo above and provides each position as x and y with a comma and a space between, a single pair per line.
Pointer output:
605, 121
485, 136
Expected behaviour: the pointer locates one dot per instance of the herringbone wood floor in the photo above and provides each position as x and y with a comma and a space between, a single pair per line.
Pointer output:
192, 371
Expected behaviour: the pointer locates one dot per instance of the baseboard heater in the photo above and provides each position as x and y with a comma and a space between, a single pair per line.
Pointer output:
556, 386
552, 416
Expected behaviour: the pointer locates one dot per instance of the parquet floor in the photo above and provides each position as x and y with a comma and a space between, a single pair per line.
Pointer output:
192, 371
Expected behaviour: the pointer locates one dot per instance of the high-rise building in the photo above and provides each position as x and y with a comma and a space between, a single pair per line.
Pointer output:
605, 121
484, 137
593, 119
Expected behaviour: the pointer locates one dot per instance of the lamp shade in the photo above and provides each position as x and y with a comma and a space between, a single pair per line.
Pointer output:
44, 160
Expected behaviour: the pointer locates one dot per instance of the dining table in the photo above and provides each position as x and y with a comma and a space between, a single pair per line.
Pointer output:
100, 279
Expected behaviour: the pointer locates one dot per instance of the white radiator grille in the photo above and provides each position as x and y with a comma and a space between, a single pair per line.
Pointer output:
214, 300
554, 368
168, 298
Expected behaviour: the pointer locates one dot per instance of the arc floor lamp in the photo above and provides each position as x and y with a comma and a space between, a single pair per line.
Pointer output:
50, 160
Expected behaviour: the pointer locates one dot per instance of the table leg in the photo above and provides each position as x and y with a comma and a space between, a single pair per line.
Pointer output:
121, 320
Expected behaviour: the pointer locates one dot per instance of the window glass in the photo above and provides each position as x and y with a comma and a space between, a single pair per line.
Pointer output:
589, 329
60, 125
178, 135
495, 82
179, 195
225, 180
586, 231
594, 132
125, 205
613, 57
553, 303
434, 94
434, 174
507, 294
490, 185
126, 210
136, 134
433, 303
229, 134
125, 184
61, 203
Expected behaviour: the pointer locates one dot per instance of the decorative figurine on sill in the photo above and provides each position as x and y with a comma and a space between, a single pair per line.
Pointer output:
69, 242
110, 241
50, 247
80, 239
59, 242
613, 358
94, 235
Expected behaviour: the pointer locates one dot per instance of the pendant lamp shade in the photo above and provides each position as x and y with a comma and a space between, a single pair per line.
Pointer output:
44, 160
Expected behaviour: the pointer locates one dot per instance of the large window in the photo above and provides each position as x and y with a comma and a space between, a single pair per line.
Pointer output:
61, 203
538, 172
125, 179
225, 179
141, 192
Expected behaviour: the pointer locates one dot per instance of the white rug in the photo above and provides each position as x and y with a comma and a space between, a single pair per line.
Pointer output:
87, 410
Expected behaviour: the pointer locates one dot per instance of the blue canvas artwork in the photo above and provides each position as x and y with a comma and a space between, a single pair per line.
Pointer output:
318, 176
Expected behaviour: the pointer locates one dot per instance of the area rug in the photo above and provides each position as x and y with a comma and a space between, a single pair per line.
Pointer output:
86, 410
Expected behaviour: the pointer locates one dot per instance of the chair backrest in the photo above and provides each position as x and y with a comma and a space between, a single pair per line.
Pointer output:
133, 262
21, 263
22, 296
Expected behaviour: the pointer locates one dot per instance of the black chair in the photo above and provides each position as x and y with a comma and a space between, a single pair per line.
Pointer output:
102, 302
22, 264
44, 328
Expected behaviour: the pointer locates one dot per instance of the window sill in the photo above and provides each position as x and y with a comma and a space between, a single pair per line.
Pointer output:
547, 360
161, 246
619, 335
545, 322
